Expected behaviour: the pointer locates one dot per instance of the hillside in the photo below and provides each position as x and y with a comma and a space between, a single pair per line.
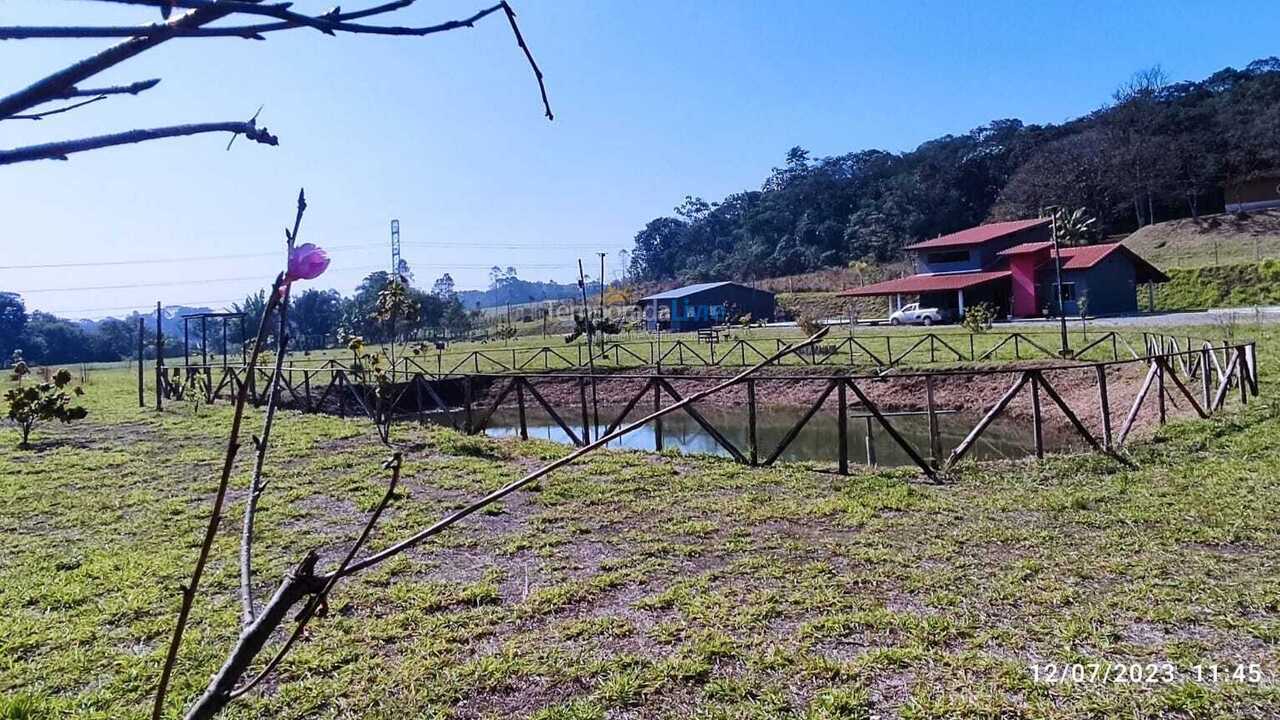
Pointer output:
1219, 239
1158, 148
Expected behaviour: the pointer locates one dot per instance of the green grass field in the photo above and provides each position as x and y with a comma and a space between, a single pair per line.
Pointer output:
640, 587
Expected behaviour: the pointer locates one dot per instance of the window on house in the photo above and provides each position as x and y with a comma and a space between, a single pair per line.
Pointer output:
1068, 291
951, 256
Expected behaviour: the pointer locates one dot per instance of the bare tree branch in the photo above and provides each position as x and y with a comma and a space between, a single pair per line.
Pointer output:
506, 490
60, 150
194, 23
537, 72
329, 24
54, 85
45, 113
300, 583
256, 486
215, 517
130, 89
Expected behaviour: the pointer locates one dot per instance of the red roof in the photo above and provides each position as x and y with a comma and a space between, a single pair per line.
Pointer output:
928, 283
1086, 256
1026, 248
978, 235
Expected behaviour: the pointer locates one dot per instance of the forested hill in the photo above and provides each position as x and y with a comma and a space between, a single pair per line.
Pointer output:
1158, 150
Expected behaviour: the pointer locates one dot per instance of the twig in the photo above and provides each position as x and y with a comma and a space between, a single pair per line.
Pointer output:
328, 24
52, 86
60, 150
221, 689
130, 89
264, 440
502, 492
44, 113
215, 517
537, 72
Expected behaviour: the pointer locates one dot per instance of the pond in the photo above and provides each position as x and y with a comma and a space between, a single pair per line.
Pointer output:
819, 440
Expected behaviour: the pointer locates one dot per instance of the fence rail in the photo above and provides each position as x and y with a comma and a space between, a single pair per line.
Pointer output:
1197, 372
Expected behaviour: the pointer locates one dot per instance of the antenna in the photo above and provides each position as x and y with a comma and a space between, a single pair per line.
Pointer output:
395, 248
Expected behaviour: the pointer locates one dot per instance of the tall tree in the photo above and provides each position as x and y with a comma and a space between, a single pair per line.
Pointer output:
314, 316
13, 319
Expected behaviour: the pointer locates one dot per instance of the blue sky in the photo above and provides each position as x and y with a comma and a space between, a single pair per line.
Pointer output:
653, 100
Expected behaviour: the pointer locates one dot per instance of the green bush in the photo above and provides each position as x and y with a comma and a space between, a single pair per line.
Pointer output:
43, 402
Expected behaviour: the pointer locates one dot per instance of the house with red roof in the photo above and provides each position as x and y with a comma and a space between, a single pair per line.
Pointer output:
1012, 267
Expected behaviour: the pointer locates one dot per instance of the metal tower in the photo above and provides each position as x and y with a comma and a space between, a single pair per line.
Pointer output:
395, 248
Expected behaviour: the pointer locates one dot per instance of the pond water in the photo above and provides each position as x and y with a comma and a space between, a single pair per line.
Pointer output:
819, 440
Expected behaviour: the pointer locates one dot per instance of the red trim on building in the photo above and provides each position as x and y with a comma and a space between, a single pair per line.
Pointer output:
978, 235
916, 284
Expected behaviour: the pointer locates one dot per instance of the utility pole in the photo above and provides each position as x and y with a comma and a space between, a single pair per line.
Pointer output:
1057, 265
601, 284
591, 355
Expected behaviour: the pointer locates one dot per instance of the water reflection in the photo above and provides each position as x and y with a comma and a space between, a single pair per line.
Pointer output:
819, 440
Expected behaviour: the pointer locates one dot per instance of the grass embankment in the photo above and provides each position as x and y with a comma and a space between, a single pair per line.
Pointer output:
635, 586
1220, 239
1223, 286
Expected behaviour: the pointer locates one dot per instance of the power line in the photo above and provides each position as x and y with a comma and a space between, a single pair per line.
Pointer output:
161, 261
169, 283
242, 256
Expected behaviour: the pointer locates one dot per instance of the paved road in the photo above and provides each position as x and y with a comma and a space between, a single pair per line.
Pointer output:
1215, 316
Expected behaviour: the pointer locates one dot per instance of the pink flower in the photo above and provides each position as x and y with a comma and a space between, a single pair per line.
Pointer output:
306, 262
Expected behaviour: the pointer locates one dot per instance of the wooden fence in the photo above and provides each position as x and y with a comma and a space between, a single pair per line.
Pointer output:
882, 352
1199, 373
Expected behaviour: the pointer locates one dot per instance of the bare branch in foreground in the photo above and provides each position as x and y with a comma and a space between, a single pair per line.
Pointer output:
45, 113
300, 583
53, 86
130, 89
60, 150
256, 486
303, 582
215, 516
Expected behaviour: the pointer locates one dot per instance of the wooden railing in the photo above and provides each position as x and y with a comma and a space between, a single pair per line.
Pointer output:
1175, 366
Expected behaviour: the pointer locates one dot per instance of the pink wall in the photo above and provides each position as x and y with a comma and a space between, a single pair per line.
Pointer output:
1023, 267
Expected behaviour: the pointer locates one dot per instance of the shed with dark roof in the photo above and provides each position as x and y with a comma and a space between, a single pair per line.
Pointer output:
705, 304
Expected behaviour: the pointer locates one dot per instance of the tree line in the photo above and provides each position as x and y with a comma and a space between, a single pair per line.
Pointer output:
317, 319
1158, 150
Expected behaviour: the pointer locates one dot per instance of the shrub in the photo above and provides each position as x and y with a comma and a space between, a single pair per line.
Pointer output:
43, 402
978, 318
809, 324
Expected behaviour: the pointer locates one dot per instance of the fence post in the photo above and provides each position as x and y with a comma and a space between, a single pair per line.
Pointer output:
1160, 387
842, 426
657, 423
586, 418
1037, 424
142, 398
159, 360
1243, 364
524, 425
871, 441
752, 449
973, 356
935, 438
466, 402
1104, 405
1205, 378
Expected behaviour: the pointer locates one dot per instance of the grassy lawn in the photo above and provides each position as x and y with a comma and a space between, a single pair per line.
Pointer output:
639, 587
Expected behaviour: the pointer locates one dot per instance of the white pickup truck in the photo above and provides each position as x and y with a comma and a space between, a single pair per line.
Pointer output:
913, 314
